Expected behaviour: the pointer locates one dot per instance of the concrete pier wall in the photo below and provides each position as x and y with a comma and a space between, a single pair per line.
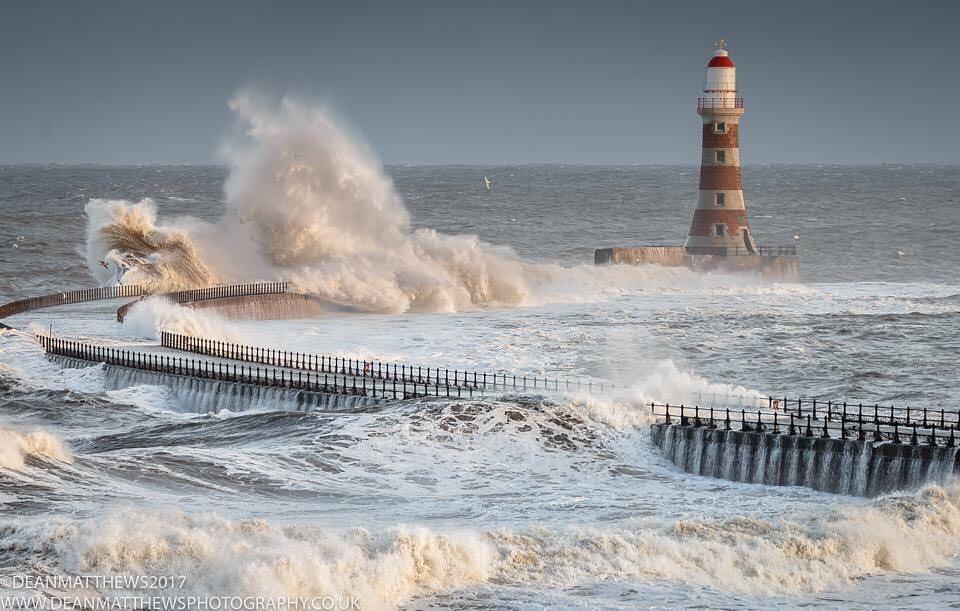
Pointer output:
845, 466
210, 396
775, 267
281, 306
671, 256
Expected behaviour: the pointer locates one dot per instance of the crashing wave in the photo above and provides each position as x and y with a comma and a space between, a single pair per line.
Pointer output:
305, 201
16, 447
791, 555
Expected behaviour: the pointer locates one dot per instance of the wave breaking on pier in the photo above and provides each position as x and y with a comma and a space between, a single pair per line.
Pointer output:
306, 201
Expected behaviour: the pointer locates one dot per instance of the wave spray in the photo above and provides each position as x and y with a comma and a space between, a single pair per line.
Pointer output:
305, 201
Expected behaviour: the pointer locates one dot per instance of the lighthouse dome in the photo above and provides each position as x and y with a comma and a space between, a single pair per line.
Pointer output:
720, 59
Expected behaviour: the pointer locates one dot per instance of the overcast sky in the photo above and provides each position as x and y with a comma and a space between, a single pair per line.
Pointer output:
483, 82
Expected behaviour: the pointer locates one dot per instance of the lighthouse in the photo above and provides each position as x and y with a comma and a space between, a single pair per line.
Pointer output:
719, 238
720, 225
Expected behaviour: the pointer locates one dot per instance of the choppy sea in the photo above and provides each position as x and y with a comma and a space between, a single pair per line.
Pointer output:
520, 501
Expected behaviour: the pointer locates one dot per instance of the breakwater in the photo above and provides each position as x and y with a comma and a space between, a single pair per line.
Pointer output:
220, 371
214, 294
861, 456
774, 263
202, 395
463, 381
70, 297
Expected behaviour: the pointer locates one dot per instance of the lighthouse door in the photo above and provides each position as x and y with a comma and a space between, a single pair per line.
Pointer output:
748, 242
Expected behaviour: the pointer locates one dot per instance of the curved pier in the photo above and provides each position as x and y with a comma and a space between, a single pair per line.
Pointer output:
217, 294
302, 379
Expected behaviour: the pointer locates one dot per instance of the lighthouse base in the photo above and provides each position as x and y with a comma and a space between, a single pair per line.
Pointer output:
781, 267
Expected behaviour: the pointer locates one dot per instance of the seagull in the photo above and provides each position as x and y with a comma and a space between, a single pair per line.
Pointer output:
104, 264
486, 183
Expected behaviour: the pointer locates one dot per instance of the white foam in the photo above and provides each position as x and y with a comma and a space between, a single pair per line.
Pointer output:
791, 555
16, 445
154, 314
665, 382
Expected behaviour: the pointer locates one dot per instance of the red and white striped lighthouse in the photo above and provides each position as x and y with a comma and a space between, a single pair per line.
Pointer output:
720, 220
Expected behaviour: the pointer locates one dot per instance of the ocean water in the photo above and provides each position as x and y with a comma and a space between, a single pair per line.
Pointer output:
518, 501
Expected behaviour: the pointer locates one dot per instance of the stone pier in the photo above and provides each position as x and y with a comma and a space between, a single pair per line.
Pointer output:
779, 264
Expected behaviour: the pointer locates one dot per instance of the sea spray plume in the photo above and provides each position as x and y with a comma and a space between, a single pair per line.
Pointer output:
155, 314
306, 202
123, 238
310, 191
665, 382
321, 209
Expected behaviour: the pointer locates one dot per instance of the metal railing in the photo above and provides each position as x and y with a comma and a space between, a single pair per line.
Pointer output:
833, 421
306, 381
215, 292
69, 297
735, 251
379, 370
710, 103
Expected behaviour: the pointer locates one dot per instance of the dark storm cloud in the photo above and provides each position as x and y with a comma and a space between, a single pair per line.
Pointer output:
482, 82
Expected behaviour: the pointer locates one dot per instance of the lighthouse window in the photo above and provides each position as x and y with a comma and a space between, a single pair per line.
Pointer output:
719, 230
720, 199
720, 127
721, 156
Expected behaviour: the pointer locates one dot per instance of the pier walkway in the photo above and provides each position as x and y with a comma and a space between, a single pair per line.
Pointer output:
836, 446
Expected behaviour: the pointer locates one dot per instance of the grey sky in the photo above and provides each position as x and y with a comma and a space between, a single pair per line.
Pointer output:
483, 82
